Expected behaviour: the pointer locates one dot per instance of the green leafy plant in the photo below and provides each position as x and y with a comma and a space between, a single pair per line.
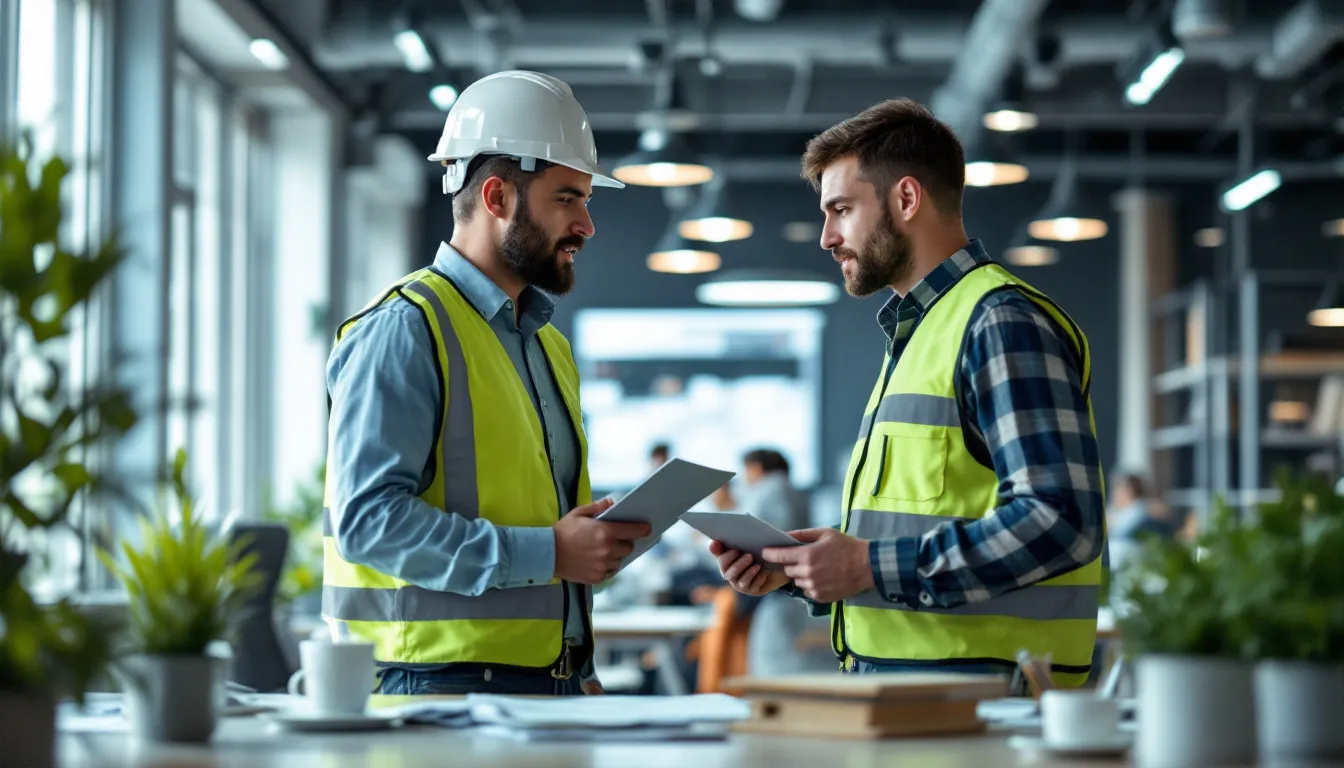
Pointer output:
47, 423
302, 575
185, 588
1267, 587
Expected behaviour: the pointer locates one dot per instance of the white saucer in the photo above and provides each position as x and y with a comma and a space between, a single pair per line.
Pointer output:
1115, 745
307, 720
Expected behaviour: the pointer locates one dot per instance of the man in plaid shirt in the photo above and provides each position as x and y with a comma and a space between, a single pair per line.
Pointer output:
891, 182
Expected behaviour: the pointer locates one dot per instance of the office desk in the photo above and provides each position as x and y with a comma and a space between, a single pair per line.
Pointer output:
656, 627
251, 743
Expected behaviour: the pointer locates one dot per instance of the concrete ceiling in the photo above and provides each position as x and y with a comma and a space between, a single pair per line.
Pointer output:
757, 77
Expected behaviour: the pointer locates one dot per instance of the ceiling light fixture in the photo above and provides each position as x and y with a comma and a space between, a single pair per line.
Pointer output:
671, 166
1210, 237
990, 164
414, 53
1329, 310
1069, 215
1249, 191
1157, 61
1010, 113
1334, 228
715, 218
767, 288
443, 96
268, 53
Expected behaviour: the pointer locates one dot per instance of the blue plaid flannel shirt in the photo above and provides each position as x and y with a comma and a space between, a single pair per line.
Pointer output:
1021, 394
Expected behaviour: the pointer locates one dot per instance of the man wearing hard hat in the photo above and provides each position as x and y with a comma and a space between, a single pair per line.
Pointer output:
458, 524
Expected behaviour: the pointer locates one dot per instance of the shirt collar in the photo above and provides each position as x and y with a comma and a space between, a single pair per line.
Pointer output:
486, 297
897, 316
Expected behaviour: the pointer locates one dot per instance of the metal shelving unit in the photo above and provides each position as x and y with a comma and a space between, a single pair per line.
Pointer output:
1198, 384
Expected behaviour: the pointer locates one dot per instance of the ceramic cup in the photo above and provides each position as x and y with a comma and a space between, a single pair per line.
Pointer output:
335, 678
1078, 718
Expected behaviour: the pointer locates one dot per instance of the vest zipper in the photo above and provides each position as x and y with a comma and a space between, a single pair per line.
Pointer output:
838, 631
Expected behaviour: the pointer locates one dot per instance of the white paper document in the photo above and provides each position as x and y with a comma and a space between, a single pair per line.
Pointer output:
743, 532
696, 716
663, 497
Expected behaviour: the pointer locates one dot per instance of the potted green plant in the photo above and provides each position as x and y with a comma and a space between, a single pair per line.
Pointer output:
1185, 625
1296, 596
48, 425
185, 586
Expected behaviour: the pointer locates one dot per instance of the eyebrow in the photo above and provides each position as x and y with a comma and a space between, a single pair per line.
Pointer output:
574, 191
831, 202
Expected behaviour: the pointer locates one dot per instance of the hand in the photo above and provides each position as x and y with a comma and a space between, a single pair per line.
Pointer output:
742, 575
588, 551
591, 687
829, 567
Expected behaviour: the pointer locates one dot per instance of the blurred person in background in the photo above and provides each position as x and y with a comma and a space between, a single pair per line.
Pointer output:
1134, 514
974, 487
459, 515
778, 622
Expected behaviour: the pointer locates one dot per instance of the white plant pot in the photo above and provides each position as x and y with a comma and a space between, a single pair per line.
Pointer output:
1299, 710
172, 698
1194, 711
27, 729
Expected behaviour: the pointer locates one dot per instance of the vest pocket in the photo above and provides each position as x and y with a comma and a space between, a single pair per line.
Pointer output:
911, 467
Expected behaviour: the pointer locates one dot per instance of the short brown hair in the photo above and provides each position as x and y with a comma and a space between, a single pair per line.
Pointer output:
896, 138
483, 167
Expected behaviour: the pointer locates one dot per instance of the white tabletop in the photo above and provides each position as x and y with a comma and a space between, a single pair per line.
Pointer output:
652, 620
253, 743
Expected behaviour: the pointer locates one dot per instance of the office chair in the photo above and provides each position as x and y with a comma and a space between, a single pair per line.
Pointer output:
259, 662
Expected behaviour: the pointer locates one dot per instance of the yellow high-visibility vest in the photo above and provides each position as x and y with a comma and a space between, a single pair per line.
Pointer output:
490, 462
910, 471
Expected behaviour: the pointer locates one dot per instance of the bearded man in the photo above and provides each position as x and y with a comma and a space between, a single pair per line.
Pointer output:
459, 523
973, 519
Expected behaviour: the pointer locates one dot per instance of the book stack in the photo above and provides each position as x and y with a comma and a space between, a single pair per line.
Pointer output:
875, 706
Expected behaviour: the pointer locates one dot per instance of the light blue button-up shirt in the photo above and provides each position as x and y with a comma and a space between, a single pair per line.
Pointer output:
385, 403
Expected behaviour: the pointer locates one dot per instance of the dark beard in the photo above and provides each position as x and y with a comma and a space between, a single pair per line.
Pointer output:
528, 251
885, 259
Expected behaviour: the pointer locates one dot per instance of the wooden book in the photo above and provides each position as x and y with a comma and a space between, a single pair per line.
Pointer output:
867, 706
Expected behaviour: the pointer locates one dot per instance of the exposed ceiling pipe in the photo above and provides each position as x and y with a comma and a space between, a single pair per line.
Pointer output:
1301, 36
357, 40
986, 56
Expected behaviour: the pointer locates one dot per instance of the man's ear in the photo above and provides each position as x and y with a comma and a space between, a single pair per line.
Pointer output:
905, 198
497, 197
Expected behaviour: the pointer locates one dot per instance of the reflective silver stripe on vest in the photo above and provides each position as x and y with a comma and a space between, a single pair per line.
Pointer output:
328, 529
459, 431
1039, 602
417, 604
910, 408
867, 524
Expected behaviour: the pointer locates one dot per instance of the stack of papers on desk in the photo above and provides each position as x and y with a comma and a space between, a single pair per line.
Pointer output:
609, 717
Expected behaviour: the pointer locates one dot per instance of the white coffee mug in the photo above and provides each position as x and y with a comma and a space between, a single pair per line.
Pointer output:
1078, 718
336, 678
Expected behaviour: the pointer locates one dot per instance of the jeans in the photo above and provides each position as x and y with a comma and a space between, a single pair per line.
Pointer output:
1018, 686
397, 681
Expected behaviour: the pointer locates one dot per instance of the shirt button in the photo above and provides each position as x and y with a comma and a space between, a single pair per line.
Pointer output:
529, 581
508, 305
891, 595
925, 599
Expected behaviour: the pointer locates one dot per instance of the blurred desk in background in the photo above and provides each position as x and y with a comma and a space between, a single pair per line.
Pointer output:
656, 628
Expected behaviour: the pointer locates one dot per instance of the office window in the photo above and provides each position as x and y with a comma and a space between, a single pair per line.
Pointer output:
711, 383
197, 284
56, 93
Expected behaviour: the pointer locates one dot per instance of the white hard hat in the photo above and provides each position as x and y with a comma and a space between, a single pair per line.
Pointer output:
521, 114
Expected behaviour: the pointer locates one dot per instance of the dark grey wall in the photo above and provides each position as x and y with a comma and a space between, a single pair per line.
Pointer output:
612, 273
